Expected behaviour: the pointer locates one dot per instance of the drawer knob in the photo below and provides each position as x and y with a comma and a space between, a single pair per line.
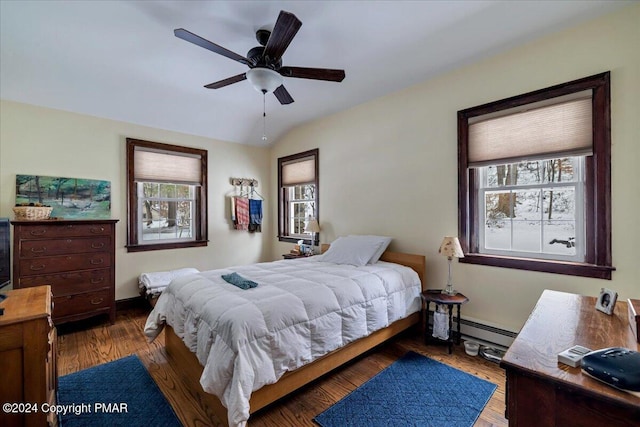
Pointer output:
97, 261
97, 280
36, 267
96, 301
38, 232
97, 229
38, 250
98, 245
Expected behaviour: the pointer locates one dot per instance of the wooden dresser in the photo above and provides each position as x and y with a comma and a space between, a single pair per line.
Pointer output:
542, 392
28, 358
75, 257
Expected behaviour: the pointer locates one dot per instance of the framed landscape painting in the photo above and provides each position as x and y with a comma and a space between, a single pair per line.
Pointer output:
70, 198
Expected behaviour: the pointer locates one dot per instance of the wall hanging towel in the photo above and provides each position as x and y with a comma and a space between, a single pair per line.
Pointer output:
242, 213
441, 323
255, 215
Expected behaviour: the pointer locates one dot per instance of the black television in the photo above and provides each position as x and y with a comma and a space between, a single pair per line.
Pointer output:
5, 257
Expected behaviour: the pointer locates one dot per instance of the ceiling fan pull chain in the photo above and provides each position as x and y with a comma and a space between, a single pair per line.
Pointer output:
264, 116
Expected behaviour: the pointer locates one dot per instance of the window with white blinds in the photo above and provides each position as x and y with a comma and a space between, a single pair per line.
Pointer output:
534, 180
166, 166
167, 193
559, 127
298, 194
299, 172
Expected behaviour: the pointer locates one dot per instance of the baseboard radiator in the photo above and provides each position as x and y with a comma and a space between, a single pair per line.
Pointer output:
486, 334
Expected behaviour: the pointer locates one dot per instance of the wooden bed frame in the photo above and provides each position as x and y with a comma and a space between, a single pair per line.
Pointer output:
187, 366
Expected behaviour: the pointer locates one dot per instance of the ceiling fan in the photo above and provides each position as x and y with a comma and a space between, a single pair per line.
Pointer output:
266, 71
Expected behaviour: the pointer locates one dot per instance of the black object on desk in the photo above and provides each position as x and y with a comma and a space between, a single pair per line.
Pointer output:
2, 298
294, 256
617, 366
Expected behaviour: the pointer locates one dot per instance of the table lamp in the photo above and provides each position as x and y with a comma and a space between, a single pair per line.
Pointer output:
450, 247
312, 227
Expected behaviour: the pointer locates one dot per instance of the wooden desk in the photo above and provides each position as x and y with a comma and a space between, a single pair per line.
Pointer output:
28, 358
541, 392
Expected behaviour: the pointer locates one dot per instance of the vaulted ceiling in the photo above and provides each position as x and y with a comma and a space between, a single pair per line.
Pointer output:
120, 59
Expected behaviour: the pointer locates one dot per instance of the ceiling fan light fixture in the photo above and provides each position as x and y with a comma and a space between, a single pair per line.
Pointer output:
264, 79
263, 60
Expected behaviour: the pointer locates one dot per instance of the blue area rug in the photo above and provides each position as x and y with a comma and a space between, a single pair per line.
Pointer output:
118, 393
413, 391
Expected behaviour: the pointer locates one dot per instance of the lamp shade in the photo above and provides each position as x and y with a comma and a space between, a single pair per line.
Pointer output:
450, 247
264, 79
312, 226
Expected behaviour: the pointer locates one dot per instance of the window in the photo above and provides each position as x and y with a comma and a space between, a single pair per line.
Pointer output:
167, 194
298, 194
534, 180
302, 202
529, 208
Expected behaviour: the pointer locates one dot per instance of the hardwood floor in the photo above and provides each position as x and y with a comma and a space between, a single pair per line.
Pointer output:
91, 343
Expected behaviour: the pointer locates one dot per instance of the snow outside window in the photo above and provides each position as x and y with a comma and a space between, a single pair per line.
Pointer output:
533, 209
165, 212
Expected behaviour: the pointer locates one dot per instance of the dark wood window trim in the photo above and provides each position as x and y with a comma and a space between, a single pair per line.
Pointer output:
132, 199
598, 262
283, 225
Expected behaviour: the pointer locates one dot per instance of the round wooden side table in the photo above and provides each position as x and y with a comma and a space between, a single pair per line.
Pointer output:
452, 302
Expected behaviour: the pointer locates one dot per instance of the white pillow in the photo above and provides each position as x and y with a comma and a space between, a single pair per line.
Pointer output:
374, 240
350, 250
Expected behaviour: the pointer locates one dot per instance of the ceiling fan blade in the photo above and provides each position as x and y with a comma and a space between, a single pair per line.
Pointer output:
282, 95
183, 34
283, 32
313, 73
227, 82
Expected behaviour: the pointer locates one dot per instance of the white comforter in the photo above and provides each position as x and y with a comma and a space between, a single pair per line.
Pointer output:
301, 310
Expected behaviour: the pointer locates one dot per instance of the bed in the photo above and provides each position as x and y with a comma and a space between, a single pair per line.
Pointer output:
246, 352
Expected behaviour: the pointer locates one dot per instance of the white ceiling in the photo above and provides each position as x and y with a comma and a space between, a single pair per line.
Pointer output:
120, 59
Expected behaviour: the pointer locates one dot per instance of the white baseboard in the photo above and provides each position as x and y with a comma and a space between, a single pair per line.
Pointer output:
485, 333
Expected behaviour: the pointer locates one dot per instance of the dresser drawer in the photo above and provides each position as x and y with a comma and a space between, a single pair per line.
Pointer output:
57, 264
76, 258
11, 337
38, 248
70, 283
81, 303
61, 230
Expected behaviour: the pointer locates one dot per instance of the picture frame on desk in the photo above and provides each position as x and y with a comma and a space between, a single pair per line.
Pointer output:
606, 301
633, 306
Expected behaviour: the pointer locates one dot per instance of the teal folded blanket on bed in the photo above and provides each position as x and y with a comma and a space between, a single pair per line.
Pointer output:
239, 281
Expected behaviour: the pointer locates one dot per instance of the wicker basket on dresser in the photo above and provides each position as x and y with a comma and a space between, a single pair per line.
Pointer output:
75, 257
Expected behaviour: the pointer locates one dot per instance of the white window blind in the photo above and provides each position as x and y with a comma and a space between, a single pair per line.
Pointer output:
158, 166
299, 172
563, 128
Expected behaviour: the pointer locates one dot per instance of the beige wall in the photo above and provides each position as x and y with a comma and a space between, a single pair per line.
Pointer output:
49, 142
386, 167
389, 166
